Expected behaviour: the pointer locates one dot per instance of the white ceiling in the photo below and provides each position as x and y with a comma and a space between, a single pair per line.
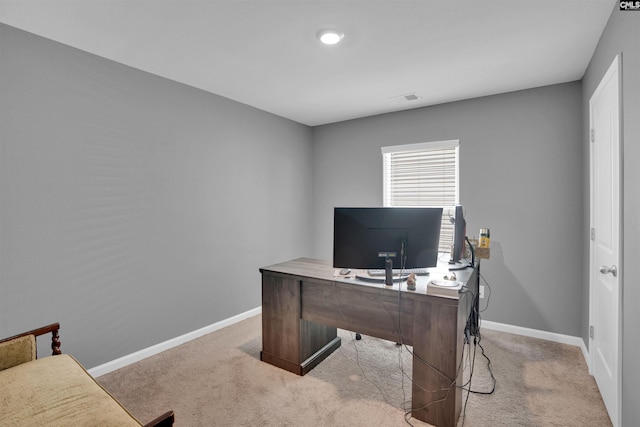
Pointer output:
265, 53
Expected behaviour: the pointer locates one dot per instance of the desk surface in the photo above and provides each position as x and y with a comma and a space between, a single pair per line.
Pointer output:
321, 269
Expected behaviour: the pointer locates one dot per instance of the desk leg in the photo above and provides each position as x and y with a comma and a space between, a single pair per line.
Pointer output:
435, 364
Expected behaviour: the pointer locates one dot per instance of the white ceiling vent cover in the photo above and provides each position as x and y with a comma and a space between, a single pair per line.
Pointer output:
408, 97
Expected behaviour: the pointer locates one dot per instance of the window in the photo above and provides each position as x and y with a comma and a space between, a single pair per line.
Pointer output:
424, 174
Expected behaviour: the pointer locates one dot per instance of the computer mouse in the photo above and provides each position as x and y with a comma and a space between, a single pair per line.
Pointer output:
345, 271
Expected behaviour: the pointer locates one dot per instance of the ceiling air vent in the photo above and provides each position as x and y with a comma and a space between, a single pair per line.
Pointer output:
409, 97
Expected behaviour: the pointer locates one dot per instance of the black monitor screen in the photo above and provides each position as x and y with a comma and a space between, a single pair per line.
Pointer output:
365, 237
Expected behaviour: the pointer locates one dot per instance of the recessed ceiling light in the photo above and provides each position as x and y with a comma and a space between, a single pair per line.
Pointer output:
330, 36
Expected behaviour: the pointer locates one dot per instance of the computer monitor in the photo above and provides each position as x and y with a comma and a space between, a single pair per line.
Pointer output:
459, 235
371, 238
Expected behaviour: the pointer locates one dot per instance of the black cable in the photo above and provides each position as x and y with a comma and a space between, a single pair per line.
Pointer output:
466, 401
493, 378
476, 343
448, 389
473, 329
473, 252
335, 296
488, 297
452, 381
473, 325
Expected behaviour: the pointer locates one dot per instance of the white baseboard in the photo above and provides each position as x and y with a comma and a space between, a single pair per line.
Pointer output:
535, 333
166, 345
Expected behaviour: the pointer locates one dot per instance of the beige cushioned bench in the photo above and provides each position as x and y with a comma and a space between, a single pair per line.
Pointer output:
55, 390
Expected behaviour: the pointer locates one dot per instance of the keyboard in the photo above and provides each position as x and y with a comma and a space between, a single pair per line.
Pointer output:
421, 271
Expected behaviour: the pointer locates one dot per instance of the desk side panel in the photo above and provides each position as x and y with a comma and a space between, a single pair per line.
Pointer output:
281, 322
438, 363
288, 341
435, 364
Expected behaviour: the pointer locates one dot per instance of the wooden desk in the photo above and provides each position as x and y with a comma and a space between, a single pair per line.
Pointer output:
303, 303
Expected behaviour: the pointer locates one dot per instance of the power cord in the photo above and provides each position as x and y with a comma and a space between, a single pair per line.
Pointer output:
353, 340
452, 381
488, 297
473, 314
473, 328
400, 341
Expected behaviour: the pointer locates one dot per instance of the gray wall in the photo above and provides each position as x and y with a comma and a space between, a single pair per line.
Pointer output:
134, 209
520, 175
621, 36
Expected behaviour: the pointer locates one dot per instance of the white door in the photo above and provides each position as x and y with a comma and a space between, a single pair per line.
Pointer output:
605, 269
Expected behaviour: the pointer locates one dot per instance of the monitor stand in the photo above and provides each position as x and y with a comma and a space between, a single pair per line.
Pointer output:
388, 272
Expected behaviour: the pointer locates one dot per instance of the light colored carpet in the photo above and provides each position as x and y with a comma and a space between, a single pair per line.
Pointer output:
219, 380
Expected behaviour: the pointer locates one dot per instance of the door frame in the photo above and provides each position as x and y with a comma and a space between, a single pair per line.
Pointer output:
615, 67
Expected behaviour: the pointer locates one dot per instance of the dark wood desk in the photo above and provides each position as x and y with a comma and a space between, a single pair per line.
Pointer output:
303, 303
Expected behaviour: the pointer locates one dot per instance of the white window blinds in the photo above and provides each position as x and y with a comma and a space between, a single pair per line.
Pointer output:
425, 174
